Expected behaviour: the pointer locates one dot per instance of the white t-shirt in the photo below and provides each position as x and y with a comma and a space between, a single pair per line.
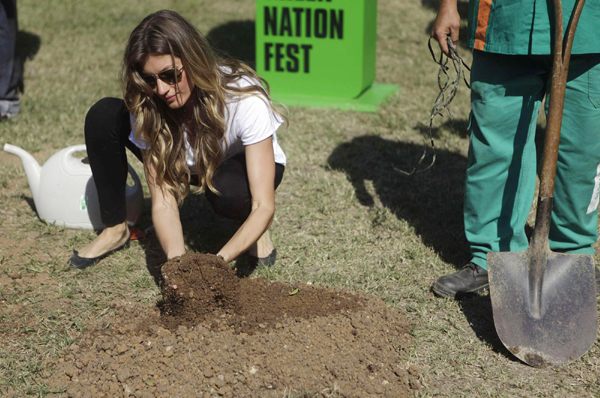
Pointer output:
249, 120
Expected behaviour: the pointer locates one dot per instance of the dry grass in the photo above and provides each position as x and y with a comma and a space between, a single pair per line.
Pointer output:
345, 216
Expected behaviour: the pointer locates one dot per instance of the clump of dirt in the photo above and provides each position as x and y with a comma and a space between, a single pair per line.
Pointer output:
203, 283
216, 335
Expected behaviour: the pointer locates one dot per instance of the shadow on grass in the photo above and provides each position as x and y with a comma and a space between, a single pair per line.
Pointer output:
458, 127
235, 39
31, 204
478, 311
28, 45
431, 201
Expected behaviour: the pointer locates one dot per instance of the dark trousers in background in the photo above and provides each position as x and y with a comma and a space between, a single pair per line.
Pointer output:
107, 130
11, 72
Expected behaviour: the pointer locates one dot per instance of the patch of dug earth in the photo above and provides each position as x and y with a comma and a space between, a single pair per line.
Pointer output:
206, 284
203, 283
250, 338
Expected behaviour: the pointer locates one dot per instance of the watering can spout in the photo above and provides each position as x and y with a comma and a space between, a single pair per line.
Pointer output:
32, 167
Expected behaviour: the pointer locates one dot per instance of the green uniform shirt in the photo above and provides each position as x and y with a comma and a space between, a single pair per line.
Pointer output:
526, 27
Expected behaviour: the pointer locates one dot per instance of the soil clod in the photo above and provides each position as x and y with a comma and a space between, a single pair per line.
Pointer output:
205, 284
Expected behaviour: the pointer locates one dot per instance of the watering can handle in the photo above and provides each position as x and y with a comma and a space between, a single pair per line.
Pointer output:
137, 185
75, 148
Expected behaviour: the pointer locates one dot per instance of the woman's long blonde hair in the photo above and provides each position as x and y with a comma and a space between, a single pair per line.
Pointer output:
168, 33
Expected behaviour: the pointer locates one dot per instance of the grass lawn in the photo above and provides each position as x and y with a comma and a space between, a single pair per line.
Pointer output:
346, 216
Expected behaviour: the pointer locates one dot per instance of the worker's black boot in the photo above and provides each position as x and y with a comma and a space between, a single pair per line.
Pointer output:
471, 279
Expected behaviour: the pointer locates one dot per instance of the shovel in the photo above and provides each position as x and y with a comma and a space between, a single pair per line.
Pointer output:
544, 303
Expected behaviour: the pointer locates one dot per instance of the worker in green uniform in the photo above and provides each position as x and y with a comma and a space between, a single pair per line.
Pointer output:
510, 77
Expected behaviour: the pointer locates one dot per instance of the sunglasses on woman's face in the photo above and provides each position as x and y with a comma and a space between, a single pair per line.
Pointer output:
170, 76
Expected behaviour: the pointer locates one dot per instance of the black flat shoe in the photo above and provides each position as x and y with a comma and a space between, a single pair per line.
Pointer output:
266, 261
83, 262
471, 279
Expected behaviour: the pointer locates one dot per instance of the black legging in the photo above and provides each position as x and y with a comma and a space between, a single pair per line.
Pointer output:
107, 130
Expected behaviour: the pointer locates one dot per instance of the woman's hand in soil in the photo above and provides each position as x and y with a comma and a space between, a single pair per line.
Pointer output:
166, 281
260, 165
165, 216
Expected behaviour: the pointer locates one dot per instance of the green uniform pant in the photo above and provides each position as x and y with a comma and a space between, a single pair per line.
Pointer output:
507, 92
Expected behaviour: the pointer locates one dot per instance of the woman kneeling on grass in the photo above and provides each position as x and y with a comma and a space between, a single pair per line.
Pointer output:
192, 120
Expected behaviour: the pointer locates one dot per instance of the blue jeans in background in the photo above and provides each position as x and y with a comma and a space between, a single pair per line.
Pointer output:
10, 73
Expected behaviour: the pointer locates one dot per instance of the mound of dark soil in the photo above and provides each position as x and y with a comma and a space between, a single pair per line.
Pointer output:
204, 284
216, 335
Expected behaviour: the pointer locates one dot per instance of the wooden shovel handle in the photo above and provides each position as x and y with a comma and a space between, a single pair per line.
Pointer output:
560, 71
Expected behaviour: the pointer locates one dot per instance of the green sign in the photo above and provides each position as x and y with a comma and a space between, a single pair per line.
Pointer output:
320, 53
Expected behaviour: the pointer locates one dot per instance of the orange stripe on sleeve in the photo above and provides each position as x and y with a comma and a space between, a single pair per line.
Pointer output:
483, 19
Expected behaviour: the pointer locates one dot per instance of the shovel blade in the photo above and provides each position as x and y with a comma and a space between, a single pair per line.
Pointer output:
564, 325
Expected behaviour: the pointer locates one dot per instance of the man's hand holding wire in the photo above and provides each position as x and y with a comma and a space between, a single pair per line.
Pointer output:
446, 24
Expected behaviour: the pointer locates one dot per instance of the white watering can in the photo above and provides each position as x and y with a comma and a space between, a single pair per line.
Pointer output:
64, 191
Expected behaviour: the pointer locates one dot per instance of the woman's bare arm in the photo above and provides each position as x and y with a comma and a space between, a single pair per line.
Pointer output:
260, 163
165, 216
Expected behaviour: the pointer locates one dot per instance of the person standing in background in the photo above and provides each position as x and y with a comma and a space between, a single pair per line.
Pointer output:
510, 77
11, 74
